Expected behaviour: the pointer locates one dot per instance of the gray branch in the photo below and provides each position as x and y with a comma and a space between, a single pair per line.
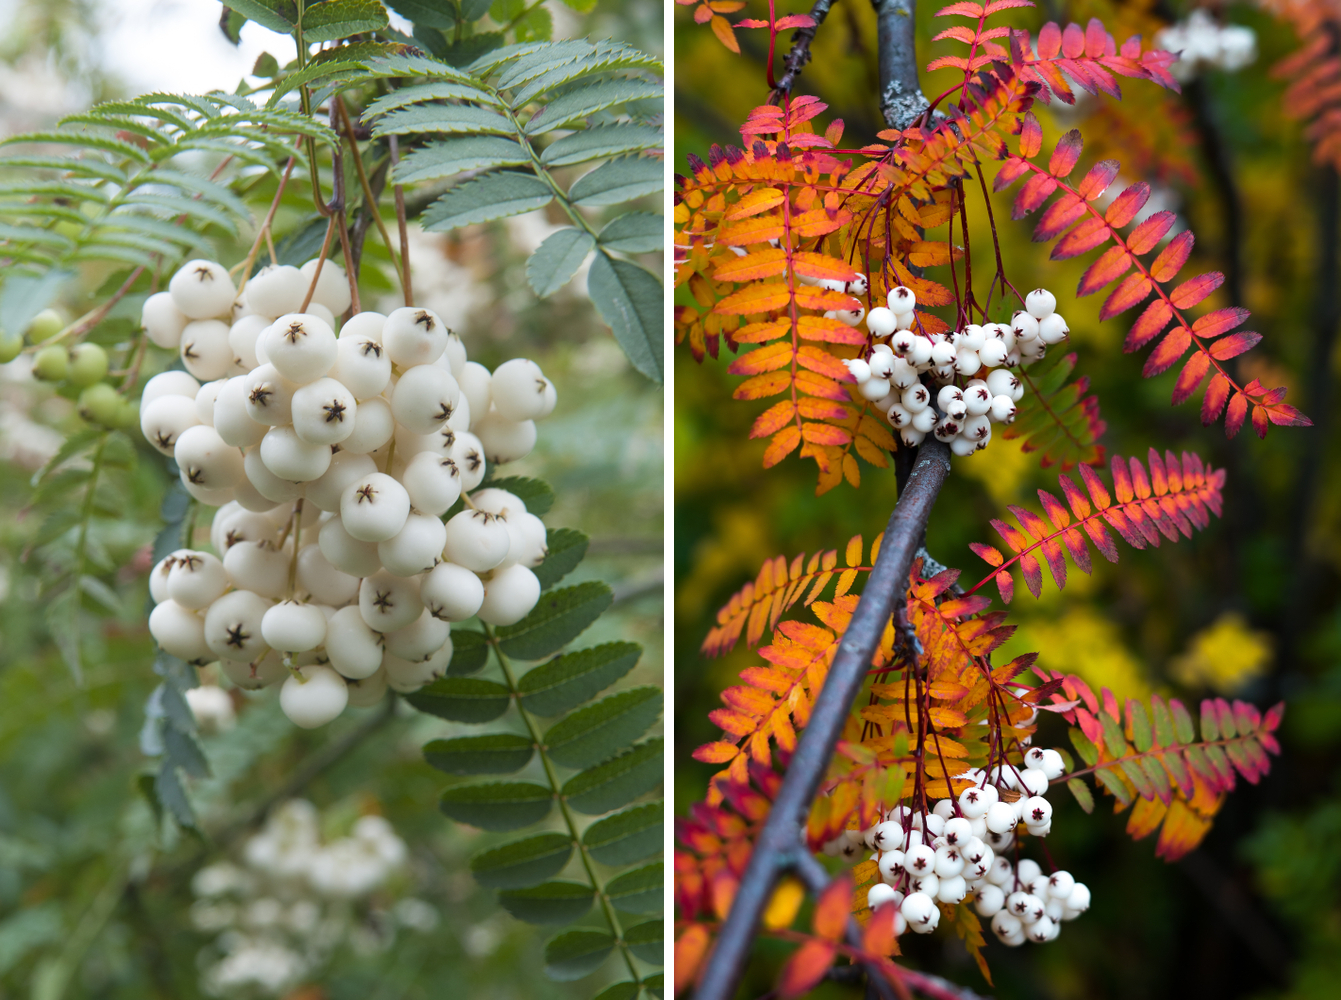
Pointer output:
901, 98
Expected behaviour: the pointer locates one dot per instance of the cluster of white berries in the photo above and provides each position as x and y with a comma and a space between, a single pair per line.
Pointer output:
332, 461
283, 912
979, 357
1200, 42
957, 852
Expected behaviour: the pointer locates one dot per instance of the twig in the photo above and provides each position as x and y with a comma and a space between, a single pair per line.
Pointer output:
799, 53
779, 847
400, 224
369, 199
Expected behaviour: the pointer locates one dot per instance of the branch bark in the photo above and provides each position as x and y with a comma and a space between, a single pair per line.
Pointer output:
799, 54
901, 97
780, 847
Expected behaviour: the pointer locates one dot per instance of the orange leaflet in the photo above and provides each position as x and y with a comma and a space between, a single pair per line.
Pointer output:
819, 265
831, 909
762, 359
758, 200
752, 267
806, 967
759, 298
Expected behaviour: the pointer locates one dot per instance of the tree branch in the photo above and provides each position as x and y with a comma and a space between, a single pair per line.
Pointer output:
799, 54
901, 97
780, 847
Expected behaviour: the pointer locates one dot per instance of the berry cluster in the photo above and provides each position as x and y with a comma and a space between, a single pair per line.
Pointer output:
968, 387
1200, 42
957, 852
296, 901
332, 461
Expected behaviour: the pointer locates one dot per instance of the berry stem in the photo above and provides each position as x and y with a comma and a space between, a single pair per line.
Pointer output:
569, 820
399, 191
368, 199
321, 262
264, 232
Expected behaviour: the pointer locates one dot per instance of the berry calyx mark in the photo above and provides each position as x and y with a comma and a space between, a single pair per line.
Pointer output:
371, 347
451, 468
295, 331
203, 274
448, 437
189, 352
540, 386
197, 477
236, 637
335, 411
261, 395
473, 460
382, 602
425, 319
189, 561
164, 440
444, 412
365, 493
231, 539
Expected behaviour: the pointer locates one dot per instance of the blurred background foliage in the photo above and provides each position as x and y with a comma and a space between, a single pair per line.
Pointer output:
95, 895
1248, 608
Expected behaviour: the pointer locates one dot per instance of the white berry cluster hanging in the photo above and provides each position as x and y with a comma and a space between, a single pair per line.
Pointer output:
332, 460
957, 851
968, 387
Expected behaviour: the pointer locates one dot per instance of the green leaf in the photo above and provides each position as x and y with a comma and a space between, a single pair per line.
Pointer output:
522, 863
462, 699
184, 752
647, 941
1133, 770
444, 159
1182, 722
617, 782
549, 902
635, 232
608, 56
1140, 726
557, 259
503, 11
277, 15
532, 60
619, 991
655, 985
1159, 778
1113, 738
597, 732
629, 299
266, 66
168, 788
639, 891
565, 549
627, 836
1114, 785
618, 180
559, 618
498, 806
472, 47
601, 141
536, 23
439, 90
1210, 723
334, 19
473, 10
1163, 721
442, 118
231, 26
492, 753
569, 680
578, 953
537, 494
492, 196
586, 101
412, 66
470, 651
1089, 753
434, 13
1081, 791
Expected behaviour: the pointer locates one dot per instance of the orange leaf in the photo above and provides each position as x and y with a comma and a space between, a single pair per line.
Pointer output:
760, 229
762, 386
718, 752
832, 331
721, 27
819, 265
946, 718
757, 298
826, 434
782, 445
773, 419
758, 200
806, 968
878, 938
690, 947
763, 359
831, 909
752, 267
814, 297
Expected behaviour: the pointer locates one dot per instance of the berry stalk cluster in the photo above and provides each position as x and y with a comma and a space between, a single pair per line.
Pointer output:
332, 460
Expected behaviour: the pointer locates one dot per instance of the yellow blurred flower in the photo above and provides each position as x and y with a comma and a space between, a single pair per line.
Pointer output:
1084, 643
1224, 656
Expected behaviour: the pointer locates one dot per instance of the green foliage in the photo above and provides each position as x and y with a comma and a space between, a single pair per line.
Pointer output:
594, 738
498, 114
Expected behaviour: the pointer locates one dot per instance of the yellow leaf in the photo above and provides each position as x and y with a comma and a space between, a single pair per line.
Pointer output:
784, 904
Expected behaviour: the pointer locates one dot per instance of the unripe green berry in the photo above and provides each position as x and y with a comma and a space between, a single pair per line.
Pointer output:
52, 364
45, 325
10, 346
128, 416
100, 404
88, 364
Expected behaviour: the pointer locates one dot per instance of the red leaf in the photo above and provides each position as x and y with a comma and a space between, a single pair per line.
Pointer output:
1097, 180
1135, 289
1238, 409
1060, 214
1234, 345
1148, 234
1064, 157
1112, 264
1033, 574
1288, 416
1035, 191
1127, 204
1073, 41
1194, 290
1214, 401
1172, 258
832, 909
1005, 583
1220, 321
988, 554
1087, 234
1190, 377
1148, 326
795, 21
1049, 41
